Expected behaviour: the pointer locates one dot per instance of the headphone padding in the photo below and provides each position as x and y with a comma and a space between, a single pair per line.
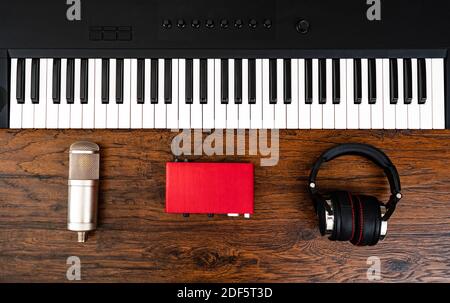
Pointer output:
346, 226
367, 220
337, 218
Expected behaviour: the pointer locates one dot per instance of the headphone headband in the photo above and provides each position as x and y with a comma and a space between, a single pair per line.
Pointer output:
369, 152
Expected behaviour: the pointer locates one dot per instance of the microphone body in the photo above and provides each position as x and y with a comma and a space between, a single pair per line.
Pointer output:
84, 170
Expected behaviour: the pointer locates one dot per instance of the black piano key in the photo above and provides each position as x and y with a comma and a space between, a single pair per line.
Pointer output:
252, 81
84, 81
407, 78
140, 95
322, 81
372, 81
393, 80
105, 81
34, 81
238, 81
20, 81
357, 81
224, 80
119, 81
336, 81
70, 81
308, 81
203, 81
287, 81
422, 79
154, 81
273, 81
168, 81
56, 81
189, 81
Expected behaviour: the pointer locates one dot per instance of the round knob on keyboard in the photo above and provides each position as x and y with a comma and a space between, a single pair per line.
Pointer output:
267, 23
181, 23
253, 23
195, 23
224, 23
303, 26
167, 23
238, 23
209, 23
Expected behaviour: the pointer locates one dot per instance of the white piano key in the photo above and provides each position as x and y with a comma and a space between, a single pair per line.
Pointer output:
304, 110
184, 108
172, 109
64, 107
268, 109
292, 109
148, 109
244, 108
280, 107
377, 108
232, 107
413, 108
15, 117
196, 107
438, 80
388, 108
112, 109
52, 108
76, 111
40, 109
401, 109
219, 108
426, 110
135, 108
28, 107
316, 108
328, 107
208, 108
100, 109
89, 108
125, 107
340, 110
365, 114
256, 110
352, 108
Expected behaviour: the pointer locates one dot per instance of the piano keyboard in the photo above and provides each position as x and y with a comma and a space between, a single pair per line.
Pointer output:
84, 93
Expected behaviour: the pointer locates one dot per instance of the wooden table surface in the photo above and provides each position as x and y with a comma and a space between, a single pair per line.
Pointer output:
136, 241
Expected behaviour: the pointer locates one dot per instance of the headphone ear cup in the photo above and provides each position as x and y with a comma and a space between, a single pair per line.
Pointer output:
367, 221
343, 215
319, 203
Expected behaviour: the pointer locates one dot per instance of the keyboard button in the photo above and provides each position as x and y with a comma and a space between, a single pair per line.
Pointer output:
352, 108
208, 107
140, 94
292, 90
64, 107
28, 107
76, 109
184, 106
390, 98
148, 108
238, 81
268, 107
407, 81
422, 79
256, 109
196, 107
15, 116
119, 80
438, 93
393, 80
377, 107
414, 107
70, 81
40, 109
105, 81
357, 82
328, 106
252, 81
84, 87
280, 105
273, 81
340, 107
35, 74
316, 107
56, 80
232, 107
89, 104
336, 81
160, 107
322, 81
364, 107
372, 70
112, 110
203, 81
220, 108
426, 109
168, 81
224, 80
244, 107
100, 107
287, 81
136, 106
308, 81
20, 81
189, 81
401, 109
172, 108
304, 107
154, 81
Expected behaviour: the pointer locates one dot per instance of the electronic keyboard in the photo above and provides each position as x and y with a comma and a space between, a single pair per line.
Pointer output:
228, 64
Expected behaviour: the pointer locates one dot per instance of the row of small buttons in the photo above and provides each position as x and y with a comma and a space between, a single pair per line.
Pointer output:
209, 23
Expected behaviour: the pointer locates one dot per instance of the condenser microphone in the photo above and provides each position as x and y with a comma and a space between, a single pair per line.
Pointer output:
84, 167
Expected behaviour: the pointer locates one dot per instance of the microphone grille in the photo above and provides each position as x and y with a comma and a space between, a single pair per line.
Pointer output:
84, 161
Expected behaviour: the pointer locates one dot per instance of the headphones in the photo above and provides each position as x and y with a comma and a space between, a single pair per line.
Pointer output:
362, 220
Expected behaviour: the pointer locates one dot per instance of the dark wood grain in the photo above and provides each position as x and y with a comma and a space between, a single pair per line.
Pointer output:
138, 242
